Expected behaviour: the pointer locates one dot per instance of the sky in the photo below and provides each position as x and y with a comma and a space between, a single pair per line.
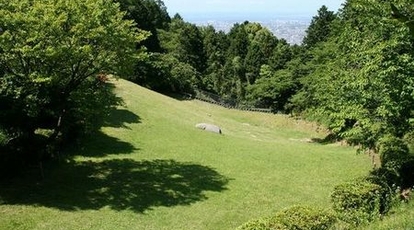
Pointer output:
298, 7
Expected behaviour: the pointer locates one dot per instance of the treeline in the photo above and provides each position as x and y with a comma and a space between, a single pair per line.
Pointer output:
249, 64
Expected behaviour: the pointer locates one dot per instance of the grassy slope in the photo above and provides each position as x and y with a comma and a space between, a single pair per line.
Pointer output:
151, 169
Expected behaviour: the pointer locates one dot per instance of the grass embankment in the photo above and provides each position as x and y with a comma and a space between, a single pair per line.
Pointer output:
150, 168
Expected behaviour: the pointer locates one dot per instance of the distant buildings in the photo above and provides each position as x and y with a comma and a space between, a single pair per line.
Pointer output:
290, 29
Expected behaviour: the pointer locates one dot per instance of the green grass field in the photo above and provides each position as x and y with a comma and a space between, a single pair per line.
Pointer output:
150, 168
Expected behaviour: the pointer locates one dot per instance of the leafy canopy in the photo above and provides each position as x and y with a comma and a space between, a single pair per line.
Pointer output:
51, 53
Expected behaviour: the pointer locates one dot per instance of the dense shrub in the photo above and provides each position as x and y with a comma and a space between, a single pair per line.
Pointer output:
393, 152
389, 192
366, 200
302, 217
261, 224
357, 202
396, 158
296, 217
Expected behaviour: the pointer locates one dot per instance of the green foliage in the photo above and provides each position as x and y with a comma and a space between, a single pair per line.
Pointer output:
184, 41
180, 68
390, 191
296, 217
393, 152
358, 202
215, 46
272, 89
250, 48
239, 41
409, 139
261, 224
319, 28
397, 161
405, 16
184, 77
362, 84
260, 50
165, 73
302, 217
89, 107
149, 15
281, 55
51, 52
225, 64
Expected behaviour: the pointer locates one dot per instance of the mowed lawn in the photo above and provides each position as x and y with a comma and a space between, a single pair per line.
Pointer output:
150, 168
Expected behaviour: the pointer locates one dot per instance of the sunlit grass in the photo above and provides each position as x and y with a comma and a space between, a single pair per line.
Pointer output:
150, 168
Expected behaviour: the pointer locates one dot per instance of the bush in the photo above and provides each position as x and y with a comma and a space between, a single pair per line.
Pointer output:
389, 193
395, 157
302, 217
296, 217
261, 224
358, 202
393, 152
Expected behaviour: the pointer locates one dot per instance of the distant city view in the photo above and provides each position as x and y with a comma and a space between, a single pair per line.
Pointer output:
290, 27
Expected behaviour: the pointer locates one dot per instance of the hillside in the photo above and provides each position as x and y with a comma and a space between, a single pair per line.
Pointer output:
150, 168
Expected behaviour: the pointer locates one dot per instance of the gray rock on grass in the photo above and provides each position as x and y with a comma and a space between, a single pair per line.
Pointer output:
209, 127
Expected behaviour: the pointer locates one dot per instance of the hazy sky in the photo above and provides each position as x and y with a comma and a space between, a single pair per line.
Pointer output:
250, 6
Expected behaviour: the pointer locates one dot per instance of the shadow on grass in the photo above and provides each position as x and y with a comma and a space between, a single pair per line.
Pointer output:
179, 96
329, 139
116, 184
100, 144
118, 118
14, 161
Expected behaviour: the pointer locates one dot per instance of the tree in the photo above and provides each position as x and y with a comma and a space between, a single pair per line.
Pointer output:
362, 85
184, 41
54, 58
274, 88
183, 60
281, 55
259, 51
239, 41
215, 46
149, 15
320, 27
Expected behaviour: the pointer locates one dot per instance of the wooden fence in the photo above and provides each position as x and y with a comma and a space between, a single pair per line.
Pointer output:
227, 103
